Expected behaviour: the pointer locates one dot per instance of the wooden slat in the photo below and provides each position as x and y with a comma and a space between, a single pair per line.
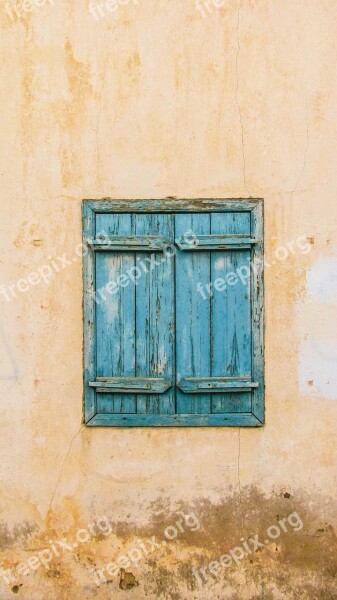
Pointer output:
195, 385
257, 310
181, 420
125, 385
154, 297
217, 242
89, 316
192, 314
172, 205
145, 243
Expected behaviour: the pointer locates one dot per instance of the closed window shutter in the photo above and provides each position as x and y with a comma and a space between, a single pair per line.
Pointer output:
135, 324
213, 327
175, 307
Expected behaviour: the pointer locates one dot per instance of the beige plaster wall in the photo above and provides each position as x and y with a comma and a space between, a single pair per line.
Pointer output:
157, 99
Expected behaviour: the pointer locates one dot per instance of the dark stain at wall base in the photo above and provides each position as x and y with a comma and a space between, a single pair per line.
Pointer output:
296, 554
16, 535
300, 562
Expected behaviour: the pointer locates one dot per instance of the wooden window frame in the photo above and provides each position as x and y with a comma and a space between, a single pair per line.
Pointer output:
255, 418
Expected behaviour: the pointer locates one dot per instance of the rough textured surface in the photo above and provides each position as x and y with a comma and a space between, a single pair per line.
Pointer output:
155, 100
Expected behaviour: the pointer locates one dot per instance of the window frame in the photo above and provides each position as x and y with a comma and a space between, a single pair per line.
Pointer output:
255, 206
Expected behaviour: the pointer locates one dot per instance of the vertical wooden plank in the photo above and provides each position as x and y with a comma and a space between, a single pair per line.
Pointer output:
89, 316
192, 314
115, 315
257, 287
155, 314
230, 313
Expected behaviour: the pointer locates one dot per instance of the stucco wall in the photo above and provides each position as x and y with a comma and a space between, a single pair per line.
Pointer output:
158, 99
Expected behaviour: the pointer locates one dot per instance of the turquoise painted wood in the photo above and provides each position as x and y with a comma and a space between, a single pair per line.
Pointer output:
257, 311
172, 205
145, 243
115, 315
231, 323
89, 315
217, 242
154, 300
192, 315
195, 385
173, 337
177, 420
131, 385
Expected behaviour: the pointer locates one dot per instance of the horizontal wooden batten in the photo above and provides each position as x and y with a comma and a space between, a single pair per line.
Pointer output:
177, 420
217, 242
130, 385
171, 205
195, 385
133, 243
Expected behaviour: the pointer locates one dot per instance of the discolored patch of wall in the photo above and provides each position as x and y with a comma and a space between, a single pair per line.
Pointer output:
156, 100
299, 562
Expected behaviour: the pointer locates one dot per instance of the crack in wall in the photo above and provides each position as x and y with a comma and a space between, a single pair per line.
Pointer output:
306, 149
99, 119
62, 467
239, 480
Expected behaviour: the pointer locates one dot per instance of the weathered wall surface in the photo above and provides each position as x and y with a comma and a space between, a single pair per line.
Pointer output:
157, 99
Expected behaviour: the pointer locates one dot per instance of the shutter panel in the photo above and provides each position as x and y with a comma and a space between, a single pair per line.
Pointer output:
115, 316
213, 327
135, 324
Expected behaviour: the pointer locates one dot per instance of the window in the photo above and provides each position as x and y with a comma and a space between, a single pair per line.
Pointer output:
173, 313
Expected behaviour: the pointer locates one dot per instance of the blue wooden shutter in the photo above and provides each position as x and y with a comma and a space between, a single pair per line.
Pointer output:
134, 323
163, 345
214, 327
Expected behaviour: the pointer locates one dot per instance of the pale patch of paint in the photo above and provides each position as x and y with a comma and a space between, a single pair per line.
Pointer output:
40, 441
318, 373
161, 361
8, 367
317, 317
322, 279
219, 264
